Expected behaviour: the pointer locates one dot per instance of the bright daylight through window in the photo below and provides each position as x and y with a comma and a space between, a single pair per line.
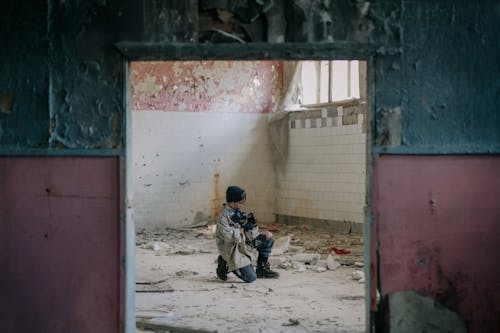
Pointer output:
329, 81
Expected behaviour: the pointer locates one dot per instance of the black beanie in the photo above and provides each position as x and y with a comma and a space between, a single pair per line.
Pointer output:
235, 194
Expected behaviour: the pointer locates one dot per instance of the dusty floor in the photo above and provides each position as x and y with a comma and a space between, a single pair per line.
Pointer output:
308, 297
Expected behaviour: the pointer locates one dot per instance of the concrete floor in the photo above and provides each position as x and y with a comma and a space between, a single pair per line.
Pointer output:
305, 298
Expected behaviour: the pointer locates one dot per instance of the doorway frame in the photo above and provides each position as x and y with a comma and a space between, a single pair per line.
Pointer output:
141, 51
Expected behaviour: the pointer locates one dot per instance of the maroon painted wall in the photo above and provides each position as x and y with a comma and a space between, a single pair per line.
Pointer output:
437, 222
59, 245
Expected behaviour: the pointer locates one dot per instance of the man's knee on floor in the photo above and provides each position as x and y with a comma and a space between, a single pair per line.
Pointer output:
246, 273
251, 278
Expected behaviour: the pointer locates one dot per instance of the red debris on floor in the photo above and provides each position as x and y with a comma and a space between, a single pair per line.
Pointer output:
339, 251
272, 228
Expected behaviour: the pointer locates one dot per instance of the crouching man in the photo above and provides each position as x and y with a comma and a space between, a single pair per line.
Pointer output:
238, 239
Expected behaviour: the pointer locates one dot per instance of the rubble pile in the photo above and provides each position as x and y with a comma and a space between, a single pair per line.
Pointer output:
296, 248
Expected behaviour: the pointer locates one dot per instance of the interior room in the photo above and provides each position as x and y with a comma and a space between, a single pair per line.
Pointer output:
122, 123
293, 134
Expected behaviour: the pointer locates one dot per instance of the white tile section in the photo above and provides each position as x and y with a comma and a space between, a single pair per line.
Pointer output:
177, 155
326, 173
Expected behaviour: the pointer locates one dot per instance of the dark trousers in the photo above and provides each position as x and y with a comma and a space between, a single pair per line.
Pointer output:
264, 246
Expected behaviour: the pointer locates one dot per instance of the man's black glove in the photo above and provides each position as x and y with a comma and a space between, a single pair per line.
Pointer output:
251, 222
251, 218
239, 217
246, 221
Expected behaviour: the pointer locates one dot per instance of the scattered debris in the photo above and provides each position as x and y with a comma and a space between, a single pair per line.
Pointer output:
281, 245
321, 263
299, 267
186, 273
158, 267
352, 297
297, 246
339, 251
276, 261
294, 249
272, 228
285, 265
306, 258
185, 251
331, 263
292, 322
160, 286
147, 324
358, 275
312, 245
303, 252
156, 246
320, 269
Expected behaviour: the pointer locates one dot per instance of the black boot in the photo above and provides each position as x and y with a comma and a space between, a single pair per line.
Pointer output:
221, 268
264, 271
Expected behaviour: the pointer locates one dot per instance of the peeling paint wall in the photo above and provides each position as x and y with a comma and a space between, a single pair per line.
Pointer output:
436, 62
435, 225
85, 98
445, 82
198, 127
63, 75
207, 86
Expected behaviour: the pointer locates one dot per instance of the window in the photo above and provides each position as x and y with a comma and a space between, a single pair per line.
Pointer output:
329, 81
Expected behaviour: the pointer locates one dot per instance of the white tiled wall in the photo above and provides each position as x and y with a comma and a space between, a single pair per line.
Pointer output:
326, 170
178, 155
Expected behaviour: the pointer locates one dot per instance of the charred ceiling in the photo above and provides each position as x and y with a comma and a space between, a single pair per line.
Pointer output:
63, 80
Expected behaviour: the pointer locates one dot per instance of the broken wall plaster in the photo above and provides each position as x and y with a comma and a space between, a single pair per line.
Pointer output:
158, 21
86, 112
389, 127
207, 86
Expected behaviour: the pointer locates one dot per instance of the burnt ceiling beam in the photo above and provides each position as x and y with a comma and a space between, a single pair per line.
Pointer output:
251, 51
